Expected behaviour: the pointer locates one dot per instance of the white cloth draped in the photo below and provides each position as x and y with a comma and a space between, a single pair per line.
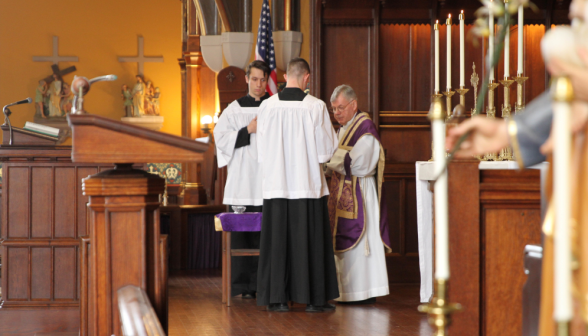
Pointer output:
361, 271
243, 185
298, 136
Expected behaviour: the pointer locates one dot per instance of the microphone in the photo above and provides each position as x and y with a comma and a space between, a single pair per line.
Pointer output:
24, 101
103, 78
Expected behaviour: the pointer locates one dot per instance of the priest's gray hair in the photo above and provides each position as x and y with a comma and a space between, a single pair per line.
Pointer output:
345, 90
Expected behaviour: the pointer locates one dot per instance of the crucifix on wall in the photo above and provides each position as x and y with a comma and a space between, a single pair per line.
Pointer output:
55, 59
141, 59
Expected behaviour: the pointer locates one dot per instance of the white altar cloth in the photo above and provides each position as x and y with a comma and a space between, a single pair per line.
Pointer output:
424, 174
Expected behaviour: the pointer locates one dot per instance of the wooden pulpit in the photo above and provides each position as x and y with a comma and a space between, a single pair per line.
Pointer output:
124, 245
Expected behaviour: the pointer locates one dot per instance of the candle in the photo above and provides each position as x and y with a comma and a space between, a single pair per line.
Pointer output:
448, 23
507, 52
562, 198
441, 203
436, 26
461, 50
520, 45
491, 41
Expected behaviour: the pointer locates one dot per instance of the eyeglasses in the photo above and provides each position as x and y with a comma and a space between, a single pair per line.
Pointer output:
340, 108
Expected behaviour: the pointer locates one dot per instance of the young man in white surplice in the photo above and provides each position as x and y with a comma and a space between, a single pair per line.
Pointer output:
236, 146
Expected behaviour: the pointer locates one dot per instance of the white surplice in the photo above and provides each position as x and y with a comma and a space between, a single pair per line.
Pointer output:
361, 271
244, 174
302, 137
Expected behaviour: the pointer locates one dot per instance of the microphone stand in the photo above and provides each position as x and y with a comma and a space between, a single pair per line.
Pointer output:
7, 113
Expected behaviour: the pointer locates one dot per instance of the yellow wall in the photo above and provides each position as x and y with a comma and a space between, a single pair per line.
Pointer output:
98, 32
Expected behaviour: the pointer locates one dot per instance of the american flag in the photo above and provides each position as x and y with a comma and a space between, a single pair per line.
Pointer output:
264, 50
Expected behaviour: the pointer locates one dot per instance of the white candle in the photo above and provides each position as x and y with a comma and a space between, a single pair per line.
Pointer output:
436, 57
562, 252
520, 45
491, 41
448, 23
441, 204
461, 50
507, 52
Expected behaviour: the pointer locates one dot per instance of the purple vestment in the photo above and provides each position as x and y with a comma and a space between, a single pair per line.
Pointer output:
346, 208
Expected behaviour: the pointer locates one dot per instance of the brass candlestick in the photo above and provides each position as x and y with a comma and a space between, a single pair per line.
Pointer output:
475, 80
434, 97
506, 153
491, 113
439, 310
448, 94
462, 91
520, 103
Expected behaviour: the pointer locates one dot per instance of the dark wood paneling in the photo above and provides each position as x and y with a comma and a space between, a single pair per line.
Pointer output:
346, 60
20, 322
17, 181
65, 273
392, 189
18, 283
41, 218
41, 273
406, 144
518, 227
65, 194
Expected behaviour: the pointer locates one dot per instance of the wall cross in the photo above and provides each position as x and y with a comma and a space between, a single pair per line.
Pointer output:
141, 59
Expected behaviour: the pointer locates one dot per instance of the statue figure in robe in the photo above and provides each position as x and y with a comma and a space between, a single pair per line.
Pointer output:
40, 98
55, 97
139, 91
149, 98
155, 101
66, 99
128, 100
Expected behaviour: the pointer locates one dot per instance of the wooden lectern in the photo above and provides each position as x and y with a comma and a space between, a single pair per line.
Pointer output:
124, 246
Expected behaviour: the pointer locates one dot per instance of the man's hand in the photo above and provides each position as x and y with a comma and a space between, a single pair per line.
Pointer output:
486, 136
252, 127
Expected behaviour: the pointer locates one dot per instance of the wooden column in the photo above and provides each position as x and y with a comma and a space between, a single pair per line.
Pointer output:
125, 246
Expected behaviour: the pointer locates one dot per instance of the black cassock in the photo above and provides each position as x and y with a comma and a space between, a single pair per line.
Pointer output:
244, 269
296, 259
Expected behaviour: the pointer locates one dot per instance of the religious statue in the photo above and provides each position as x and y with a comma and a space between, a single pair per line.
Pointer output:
55, 97
155, 101
40, 98
145, 99
139, 91
128, 100
66, 99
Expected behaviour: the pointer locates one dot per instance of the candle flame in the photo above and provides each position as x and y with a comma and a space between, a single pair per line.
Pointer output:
449, 15
437, 21
462, 11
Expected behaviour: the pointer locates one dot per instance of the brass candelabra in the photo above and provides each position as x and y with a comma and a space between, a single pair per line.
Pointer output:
462, 91
439, 310
491, 113
506, 153
448, 94
520, 102
475, 80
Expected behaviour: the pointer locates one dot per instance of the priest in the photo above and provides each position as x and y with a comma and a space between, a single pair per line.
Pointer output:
357, 211
295, 136
236, 147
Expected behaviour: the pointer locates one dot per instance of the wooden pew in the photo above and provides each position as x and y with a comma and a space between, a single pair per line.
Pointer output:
136, 313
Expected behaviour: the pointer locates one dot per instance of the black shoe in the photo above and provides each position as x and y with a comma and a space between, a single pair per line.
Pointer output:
367, 301
328, 307
313, 309
278, 307
248, 295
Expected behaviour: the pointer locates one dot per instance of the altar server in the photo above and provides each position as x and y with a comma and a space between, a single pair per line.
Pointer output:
295, 136
236, 148
357, 210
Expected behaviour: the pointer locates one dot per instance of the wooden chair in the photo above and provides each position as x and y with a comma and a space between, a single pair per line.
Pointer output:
228, 252
136, 313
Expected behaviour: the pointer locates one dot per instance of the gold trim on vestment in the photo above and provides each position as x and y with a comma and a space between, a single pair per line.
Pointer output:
379, 180
218, 226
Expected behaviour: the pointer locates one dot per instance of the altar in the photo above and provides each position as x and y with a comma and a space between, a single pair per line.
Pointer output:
494, 211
